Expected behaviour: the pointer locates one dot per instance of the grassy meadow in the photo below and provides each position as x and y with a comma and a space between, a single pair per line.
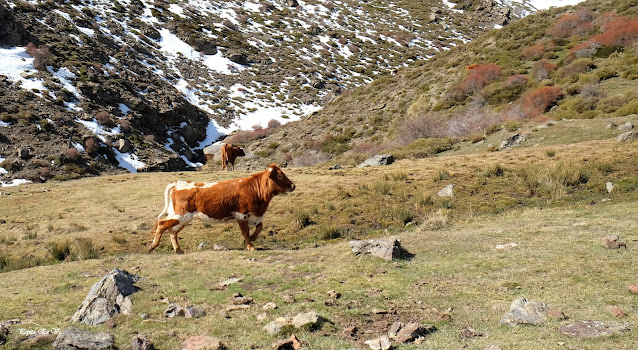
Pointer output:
549, 199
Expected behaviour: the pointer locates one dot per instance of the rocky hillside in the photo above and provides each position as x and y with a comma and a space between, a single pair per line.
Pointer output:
562, 63
94, 87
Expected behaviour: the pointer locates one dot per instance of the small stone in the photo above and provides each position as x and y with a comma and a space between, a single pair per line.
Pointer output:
523, 311
609, 186
379, 311
276, 326
593, 329
633, 289
616, 311
447, 191
141, 342
387, 249
614, 242
201, 245
394, 330
469, 333
334, 294
493, 347
229, 281
202, 342
506, 246
144, 316
262, 317
237, 307
270, 306
381, 343
330, 302
627, 136
444, 317
351, 331
307, 320
194, 312
173, 310
242, 300
289, 299
378, 160
217, 247
292, 343
625, 126
557, 315
412, 331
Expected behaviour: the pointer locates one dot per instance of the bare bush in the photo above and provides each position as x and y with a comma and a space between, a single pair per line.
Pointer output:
104, 118
309, 158
72, 154
473, 121
91, 145
274, 123
423, 126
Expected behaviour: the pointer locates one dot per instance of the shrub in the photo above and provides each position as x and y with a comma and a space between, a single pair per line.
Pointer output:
72, 154
441, 175
515, 80
59, 250
534, 52
274, 123
580, 22
620, 31
540, 100
553, 180
41, 56
85, 249
301, 219
512, 125
479, 76
104, 118
91, 145
330, 232
418, 127
494, 170
382, 188
422, 148
473, 121
542, 69
125, 125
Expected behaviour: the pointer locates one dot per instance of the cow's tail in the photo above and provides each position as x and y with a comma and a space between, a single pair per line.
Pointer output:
167, 199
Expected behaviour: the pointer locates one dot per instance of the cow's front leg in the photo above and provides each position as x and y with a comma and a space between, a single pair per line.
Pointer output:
255, 234
243, 226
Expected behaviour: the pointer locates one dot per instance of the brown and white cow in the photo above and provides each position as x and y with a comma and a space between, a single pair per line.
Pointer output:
229, 154
244, 200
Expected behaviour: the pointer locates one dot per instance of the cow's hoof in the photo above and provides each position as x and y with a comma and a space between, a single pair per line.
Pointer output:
250, 248
179, 251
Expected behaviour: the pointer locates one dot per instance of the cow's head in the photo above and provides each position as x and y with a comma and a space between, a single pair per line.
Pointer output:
239, 152
278, 183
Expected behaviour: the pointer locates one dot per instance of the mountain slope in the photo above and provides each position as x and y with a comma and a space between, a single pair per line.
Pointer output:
547, 65
145, 85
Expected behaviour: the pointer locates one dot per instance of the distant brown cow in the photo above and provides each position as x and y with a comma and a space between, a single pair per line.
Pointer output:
229, 154
244, 200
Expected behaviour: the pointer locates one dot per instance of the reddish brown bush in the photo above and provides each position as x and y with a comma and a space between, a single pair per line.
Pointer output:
540, 100
536, 51
586, 49
72, 154
542, 69
479, 76
41, 56
620, 31
274, 123
32, 50
91, 146
580, 22
149, 138
104, 118
605, 18
125, 125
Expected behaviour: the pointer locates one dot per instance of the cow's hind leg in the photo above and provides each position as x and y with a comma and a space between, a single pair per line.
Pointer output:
174, 231
160, 227
243, 226
255, 234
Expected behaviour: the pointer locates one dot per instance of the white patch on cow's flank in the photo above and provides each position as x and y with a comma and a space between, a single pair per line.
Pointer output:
187, 185
239, 216
254, 220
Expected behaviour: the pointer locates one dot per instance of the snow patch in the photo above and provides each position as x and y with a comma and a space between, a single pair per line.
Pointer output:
128, 161
98, 129
123, 109
15, 62
15, 182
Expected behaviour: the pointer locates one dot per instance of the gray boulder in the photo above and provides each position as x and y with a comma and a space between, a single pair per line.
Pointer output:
387, 249
627, 136
107, 298
213, 151
614, 242
4, 333
124, 145
626, 126
310, 320
381, 343
411, 331
524, 312
513, 141
202, 342
378, 160
593, 329
79, 339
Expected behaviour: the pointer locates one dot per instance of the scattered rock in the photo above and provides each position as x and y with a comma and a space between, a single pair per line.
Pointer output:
202, 342
381, 343
380, 311
173, 310
593, 329
23, 153
270, 306
444, 317
506, 246
334, 294
557, 315
614, 242
393, 332
633, 289
262, 316
466, 333
609, 186
289, 299
201, 245
386, 249
73, 339
194, 312
140, 342
239, 299
310, 320
513, 141
335, 167
124, 145
217, 247
616, 311
330, 302
447, 191
292, 343
378, 160
237, 307
411, 331
276, 326
40, 341
107, 298
188, 312
229, 281
627, 136
351, 331
523, 312
625, 126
